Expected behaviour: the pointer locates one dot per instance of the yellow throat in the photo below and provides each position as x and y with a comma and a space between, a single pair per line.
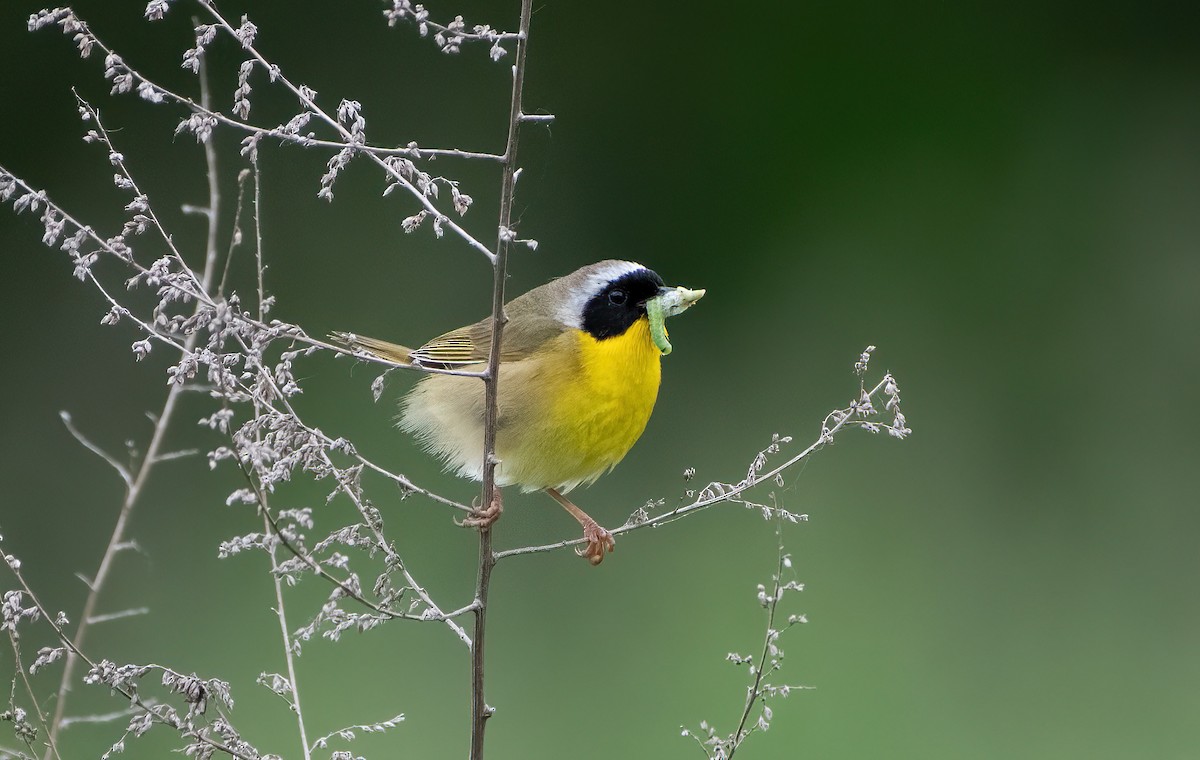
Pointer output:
603, 412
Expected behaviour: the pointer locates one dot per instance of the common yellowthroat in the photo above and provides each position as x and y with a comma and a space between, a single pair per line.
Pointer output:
579, 375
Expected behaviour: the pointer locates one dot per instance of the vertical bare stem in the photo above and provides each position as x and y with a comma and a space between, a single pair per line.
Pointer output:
280, 610
480, 711
293, 685
214, 192
258, 254
755, 690
116, 541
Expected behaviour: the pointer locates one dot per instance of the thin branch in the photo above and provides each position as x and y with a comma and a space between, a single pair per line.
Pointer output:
118, 160
236, 238
480, 711
14, 566
121, 469
214, 191
408, 485
384, 546
753, 693
134, 612
268, 522
111, 717
181, 454
51, 745
260, 269
285, 633
307, 102
307, 559
454, 33
729, 493
110, 552
154, 91
348, 731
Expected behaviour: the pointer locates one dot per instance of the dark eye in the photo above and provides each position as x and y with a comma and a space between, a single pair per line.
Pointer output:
617, 297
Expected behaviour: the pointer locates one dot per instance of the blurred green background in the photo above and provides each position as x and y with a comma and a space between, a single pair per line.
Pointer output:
1005, 199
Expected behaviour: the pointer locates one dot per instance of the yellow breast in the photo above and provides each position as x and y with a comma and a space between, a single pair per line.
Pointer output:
598, 406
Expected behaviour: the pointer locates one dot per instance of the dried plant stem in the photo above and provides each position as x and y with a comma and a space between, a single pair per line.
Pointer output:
381, 541
308, 103
281, 613
214, 189
280, 609
133, 491
258, 244
51, 746
754, 692
480, 711
130, 695
116, 543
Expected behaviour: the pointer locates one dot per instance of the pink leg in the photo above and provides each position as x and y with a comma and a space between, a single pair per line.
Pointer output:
599, 540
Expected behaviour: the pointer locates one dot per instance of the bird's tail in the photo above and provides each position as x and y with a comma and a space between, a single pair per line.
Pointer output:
393, 352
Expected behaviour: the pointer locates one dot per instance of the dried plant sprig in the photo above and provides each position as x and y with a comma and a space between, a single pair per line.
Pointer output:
449, 37
121, 679
343, 587
99, 718
192, 285
24, 729
759, 692
203, 119
347, 734
288, 419
175, 286
289, 651
54, 224
127, 78
216, 312
373, 520
352, 135
857, 414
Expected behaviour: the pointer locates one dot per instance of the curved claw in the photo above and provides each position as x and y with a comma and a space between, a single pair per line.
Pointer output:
599, 542
483, 517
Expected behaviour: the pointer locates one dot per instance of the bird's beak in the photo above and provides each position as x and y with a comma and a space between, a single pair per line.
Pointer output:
668, 303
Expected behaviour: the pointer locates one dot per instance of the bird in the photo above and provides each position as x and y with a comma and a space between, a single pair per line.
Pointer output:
579, 374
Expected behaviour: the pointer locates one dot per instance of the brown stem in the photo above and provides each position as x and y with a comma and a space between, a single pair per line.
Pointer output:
116, 543
480, 711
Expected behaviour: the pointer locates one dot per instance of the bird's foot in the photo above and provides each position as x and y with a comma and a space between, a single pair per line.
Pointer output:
483, 517
599, 540
599, 543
